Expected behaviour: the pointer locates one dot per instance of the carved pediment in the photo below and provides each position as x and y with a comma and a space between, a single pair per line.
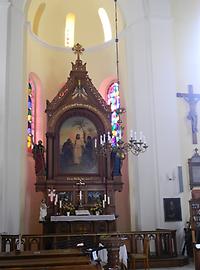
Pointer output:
78, 91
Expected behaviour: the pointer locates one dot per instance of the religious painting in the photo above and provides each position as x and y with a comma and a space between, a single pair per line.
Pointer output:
94, 196
77, 146
172, 209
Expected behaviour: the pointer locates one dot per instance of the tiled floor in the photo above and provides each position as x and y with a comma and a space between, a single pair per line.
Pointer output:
186, 267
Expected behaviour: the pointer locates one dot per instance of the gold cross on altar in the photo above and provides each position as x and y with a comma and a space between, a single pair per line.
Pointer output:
78, 49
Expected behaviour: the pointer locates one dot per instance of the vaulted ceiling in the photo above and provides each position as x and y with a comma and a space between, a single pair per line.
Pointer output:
47, 20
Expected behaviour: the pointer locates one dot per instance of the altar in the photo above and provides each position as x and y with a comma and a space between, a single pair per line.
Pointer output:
80, 170
80, 224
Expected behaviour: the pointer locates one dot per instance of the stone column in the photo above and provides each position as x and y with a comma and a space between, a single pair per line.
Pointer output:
12, 138
4, 7
149, 96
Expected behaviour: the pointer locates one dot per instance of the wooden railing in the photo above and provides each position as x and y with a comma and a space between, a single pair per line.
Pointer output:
162, 243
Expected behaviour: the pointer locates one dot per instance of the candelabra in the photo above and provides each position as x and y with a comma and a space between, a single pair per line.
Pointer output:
108, 144
134, 145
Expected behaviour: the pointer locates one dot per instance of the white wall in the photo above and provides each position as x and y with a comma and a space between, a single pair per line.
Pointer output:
4, 6
152, 108
187, 55
162, 41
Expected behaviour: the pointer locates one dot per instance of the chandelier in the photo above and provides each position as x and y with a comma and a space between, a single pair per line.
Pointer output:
136, 144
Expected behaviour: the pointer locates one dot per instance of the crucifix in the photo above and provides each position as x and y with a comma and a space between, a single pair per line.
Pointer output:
192, 99
78, 49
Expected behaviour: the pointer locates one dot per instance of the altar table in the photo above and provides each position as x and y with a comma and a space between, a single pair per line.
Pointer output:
80, 224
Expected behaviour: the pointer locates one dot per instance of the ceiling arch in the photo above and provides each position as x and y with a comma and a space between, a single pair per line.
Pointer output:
48, 17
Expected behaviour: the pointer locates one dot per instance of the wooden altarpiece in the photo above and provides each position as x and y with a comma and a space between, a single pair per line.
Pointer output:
79, 113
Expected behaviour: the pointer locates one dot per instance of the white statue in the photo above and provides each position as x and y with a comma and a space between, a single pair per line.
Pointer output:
43, 210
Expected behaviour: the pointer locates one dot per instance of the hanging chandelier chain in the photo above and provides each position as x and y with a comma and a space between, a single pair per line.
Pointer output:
116, 42
135, 145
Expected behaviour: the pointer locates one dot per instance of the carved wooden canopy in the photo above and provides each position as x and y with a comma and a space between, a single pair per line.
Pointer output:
78, 112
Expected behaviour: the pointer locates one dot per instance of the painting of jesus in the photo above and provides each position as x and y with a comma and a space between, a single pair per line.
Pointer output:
76, 146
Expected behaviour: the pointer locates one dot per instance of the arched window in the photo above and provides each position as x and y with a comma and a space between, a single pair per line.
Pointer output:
37, 18
105, 24
31, 115
69, 30
113, 99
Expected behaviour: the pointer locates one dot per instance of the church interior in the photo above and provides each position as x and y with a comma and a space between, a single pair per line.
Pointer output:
100, 130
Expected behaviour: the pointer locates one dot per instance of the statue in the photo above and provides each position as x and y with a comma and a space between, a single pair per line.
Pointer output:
38, 155
43, 210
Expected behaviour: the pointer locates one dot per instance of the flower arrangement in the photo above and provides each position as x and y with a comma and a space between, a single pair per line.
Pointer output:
97, 208
68, 207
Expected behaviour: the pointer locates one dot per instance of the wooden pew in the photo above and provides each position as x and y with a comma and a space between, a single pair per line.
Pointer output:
46, 260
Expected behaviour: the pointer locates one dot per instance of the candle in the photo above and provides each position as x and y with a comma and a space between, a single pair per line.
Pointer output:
56, 199
135, 136
60, 204
104, 138
141, 135
131, 133
120, 134
80, 195
104, 204
101, 141
105, 197
95, 143
108, 200
108, 136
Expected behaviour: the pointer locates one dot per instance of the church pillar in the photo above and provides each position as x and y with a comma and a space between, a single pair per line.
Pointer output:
4, 6
12, 136
151, 108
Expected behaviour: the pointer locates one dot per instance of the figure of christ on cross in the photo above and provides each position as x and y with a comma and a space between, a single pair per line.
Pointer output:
192, 99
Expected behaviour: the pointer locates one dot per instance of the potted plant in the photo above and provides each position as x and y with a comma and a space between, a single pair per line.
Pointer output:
68, 208
97, 208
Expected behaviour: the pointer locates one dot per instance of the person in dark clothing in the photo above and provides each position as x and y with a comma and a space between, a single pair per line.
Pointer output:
67, 151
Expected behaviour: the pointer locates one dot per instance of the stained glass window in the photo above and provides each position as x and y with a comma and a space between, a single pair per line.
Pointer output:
113, 99
30, 115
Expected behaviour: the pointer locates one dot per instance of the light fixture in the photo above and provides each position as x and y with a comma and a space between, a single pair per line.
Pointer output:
136, 144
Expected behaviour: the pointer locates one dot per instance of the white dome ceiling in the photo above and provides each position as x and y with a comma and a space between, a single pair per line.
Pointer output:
47, 18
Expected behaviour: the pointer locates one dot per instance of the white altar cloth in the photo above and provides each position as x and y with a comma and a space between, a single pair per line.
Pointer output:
83, 218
